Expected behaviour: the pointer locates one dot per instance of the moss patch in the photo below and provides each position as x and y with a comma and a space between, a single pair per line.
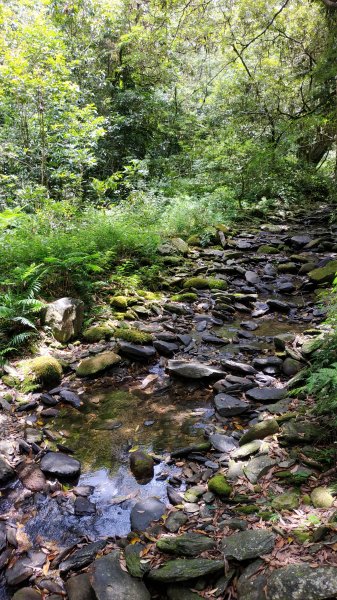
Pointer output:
97, 333
219, 485
265, 249
133, 335
185, 297
202, 283
119, 302
43, 371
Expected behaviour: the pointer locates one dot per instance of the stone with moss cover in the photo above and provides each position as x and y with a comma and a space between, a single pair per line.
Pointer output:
185, 297
44, 371
133, 335
194, 240
265, 249
119, 302
201, 283
95, 333
91, 366
324, 274
219, 485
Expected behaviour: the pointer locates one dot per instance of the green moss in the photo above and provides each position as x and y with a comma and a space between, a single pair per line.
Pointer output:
91, 366
133, 335
247, 510
219, 485
42, 370
198, 283
223, 228
149, 295
218, 284
265, 249
324, 274
10, 381
119, 302
97, 333
185, 297
194, 240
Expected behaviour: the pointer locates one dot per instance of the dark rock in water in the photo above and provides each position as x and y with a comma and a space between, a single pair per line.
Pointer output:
188, 544
291, 367
165, 348
70, 398
193, 370
110, 582
185, 339
175, 521
223, 443
278, 305
185, 570
249, 325
228, 406
300, 240
233, 383
302, 582
133, 558
141, 465
27, 594
238, 367
166, 336
60, 465
137, 351
248, 544
21, 571
83, 506
259, 431
265, 394
79, 588
285, 287
6, 471
213, 339
146, 511
181, 452
252, 582
176, 592
82, 557
173, 496
27, 406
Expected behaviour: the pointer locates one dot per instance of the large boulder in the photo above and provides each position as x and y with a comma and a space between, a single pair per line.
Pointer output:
110, 582
65, 318
42, 371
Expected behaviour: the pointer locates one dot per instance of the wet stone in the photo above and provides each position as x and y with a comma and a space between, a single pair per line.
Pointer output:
32, 477
70, 398
228, 406
79, 588
265, 394
28, 594
175, 592
21, 571
193, 370
137, 351
165, 348
188, 544
110, 582
83, 506
60, 465
185, 570
6, 471
82, 557
223, 443
249, 544
133, 558
146, 511
175, 521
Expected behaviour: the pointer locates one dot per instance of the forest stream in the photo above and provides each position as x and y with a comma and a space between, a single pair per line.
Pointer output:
190, 448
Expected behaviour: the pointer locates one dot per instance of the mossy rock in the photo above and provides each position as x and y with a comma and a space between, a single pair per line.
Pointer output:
10, 381
44, 371
223, 228
259, 431
202, 283
149, 295
265, 249
141, 465
96, 333
133, 335
300, 535
119, 302
219, 485
185, 297
321, 497
249, 509
194, 240
96, 364
286, 501
324, 274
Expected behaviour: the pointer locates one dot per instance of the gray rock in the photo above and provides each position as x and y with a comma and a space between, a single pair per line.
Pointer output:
188, 544
6, 471
223, 443
176, 592
60, 465
82, 557
291, 367
301, 432
251, 583
228, 406
21, 571
192, 370
137, 351
185, 570
110, 582
258, 467
265, 394
259, 431
29, 594
146, 511
175, 521
238, 367
247, 449
79, 588
278, 305
165, 348
300, 240
83, 506
65, 318
70, 398
267, 361
248, 544
302, 582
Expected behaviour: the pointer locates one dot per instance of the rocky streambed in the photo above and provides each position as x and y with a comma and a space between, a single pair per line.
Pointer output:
169, 457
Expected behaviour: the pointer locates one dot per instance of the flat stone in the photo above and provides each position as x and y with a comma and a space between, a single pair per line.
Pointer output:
267, 361
79, 588
96, 364
248, 544
238, 367
28, 594
302, 582
259, 431
258, 467
6, 471
300, 240
146, 511
247, 449
165, 348
110, 582
175, 521
83, 506
301, 432
278, 305
193, 370
265, 394
228, 406
286, 501
188, 544
252, 582
60, 465
82, 557
137, 351
71, 398
223, 443
21, 571
176, 592
32, 477
185, 570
